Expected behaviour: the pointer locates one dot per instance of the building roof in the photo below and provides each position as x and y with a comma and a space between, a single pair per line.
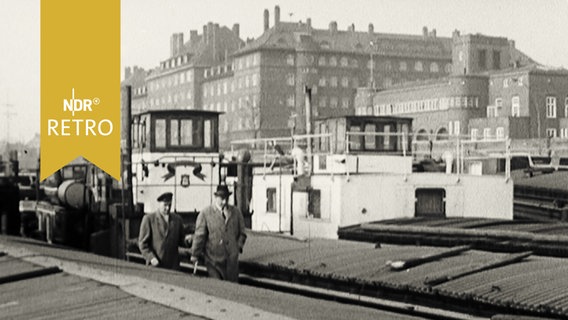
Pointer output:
200, 52
301, 36
532, 68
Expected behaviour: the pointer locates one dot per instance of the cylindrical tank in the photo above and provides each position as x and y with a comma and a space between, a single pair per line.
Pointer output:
73, 194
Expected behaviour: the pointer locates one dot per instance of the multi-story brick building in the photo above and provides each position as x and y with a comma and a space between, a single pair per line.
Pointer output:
270, 73
259, 85
495, 91
136, 78
525, 103
177, 82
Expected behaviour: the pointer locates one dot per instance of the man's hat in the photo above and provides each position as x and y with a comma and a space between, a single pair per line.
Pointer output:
165, 197
222, 191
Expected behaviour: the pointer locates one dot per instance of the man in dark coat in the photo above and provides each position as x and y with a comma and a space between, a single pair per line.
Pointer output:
219, 237
161, 233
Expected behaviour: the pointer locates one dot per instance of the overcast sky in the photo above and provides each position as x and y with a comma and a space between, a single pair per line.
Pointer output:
539, 27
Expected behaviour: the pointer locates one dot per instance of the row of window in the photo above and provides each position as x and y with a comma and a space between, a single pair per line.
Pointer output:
422, 106
140, 91
494, 111
487, 134
334, 81
482, 58
220, 88
171, 80
217, 70
175, 62
387, 65
248, 61
245, 122
240, 103
171, 98
174, 133
500, 133
333, 102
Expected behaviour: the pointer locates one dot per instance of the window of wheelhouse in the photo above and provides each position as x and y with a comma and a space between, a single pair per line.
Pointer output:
355, 139
178, 133
160, 133
376, 136
370, 137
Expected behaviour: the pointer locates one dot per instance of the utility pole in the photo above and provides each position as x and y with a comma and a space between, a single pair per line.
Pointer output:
372, 73
7, 116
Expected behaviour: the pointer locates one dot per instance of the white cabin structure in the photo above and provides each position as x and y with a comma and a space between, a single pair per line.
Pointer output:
361, 170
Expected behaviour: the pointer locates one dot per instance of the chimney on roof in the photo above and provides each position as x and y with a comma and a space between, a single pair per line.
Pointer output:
425, 31
266, 19
371, 28
351, 27
333, 27
512, 43
455, 34
276, 15
127, 72
192, 35
176, 43
236, 29
433, 33
205, 33
215, 39
209, 31
309, 23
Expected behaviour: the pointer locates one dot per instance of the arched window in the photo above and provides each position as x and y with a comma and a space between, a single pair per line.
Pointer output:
418, 66
422, 135
442, 134
332, 61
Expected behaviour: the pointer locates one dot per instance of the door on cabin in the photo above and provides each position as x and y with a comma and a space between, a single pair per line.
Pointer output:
430, 203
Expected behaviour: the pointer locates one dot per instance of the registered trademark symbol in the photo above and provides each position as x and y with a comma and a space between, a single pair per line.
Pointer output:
96, 101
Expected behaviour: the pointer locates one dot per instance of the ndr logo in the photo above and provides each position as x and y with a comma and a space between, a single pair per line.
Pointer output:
77, 105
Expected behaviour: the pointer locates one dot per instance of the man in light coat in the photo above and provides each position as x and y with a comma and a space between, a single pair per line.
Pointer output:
219, 237
160, 235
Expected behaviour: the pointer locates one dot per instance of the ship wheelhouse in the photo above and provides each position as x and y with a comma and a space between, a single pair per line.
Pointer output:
175, 151
176, 131
364, 134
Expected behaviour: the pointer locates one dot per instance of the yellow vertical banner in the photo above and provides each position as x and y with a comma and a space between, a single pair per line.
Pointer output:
80, 84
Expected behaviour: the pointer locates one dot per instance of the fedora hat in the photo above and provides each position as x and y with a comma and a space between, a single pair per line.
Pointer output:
165, 197
223, 191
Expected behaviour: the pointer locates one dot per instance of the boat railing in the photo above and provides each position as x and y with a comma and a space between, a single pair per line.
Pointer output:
284, 150
459, 150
